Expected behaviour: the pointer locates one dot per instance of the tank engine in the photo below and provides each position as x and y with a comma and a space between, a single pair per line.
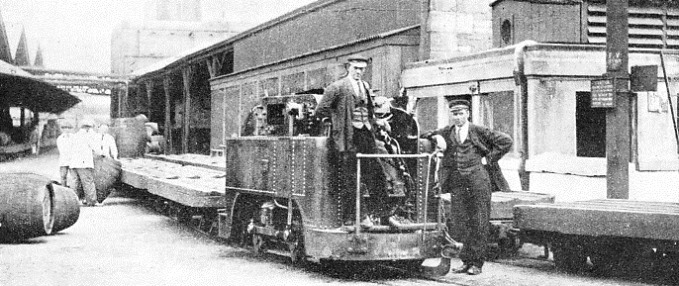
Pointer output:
284, 190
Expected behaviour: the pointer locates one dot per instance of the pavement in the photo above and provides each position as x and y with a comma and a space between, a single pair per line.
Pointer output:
124, 242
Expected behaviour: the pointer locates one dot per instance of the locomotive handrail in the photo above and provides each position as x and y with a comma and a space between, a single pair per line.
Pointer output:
361, 155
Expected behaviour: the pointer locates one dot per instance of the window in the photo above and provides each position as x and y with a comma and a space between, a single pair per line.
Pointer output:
590, 124
497, 111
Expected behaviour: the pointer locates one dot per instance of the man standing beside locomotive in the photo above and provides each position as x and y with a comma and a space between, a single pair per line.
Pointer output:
348, 102
466, 149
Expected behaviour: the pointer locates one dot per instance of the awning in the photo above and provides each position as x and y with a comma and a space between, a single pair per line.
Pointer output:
19, 88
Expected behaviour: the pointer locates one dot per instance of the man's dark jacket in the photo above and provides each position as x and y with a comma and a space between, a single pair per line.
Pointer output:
491, 144
338, 103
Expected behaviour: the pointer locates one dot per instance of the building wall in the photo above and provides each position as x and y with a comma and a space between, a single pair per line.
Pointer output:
551, 113
242, 91
134, 47
540, 22
458, 27
555, 74
336, 24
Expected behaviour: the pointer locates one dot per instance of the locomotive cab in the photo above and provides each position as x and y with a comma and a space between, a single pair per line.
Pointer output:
287, 194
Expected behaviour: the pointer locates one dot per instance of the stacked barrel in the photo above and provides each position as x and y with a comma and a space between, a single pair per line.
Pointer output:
130, 136
32, 205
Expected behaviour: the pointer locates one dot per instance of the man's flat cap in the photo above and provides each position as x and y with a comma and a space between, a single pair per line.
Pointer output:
458, 104
87, 122
358, 58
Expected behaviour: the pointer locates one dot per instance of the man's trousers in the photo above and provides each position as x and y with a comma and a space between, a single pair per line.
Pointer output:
83, 178
469, 220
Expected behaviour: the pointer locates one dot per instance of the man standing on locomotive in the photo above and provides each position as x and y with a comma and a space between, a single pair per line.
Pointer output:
349, 104
466, 149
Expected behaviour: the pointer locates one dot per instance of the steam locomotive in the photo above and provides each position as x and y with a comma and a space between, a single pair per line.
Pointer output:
285, 192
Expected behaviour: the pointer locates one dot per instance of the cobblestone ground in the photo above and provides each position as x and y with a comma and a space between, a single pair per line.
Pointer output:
125, 243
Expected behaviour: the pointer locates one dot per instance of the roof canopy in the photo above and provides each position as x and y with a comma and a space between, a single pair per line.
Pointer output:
20, 89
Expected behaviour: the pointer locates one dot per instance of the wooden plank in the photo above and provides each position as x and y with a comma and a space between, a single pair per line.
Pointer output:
502, 203
176, 191
623, 205
207, 162
188, 185
620, 218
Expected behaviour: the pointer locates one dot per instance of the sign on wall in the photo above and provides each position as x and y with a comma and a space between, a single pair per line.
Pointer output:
603, 93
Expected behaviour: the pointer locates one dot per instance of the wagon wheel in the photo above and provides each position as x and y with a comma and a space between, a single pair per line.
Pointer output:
510, 246
258, 243
603, 261
613, 255
569, 256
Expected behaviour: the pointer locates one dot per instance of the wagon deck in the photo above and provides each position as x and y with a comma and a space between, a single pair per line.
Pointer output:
188, 184
606, 217
215, 163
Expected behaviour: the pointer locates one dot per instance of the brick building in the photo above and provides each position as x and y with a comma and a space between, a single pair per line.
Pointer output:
301, 50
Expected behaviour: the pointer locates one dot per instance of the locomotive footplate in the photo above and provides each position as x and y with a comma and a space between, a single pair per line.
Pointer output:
337, 244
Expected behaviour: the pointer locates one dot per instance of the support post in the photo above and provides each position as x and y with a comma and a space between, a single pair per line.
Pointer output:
186, 80
138, 99
149, 94
167, 84
617, 118
22, 117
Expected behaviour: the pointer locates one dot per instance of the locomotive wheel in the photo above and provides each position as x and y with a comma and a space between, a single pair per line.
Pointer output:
297, 252
569, 256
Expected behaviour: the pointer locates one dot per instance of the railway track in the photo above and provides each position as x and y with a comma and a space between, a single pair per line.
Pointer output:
205, 222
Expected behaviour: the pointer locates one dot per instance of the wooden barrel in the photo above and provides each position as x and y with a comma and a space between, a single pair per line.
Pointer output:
106, 176
25, 206
130, 136
65, 206
157, 144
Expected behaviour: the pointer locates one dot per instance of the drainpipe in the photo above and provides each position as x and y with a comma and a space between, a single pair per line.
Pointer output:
425, 38
522, 82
